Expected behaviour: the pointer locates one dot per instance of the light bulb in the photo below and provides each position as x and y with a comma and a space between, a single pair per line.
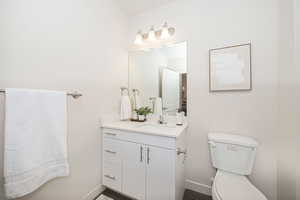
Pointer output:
138, 38
151, 34
165, 32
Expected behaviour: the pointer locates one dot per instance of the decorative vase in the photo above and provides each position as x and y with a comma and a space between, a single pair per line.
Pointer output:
141, 117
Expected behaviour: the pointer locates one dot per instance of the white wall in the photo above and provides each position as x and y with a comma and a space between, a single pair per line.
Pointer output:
210, 24
289, 112
66, 45
297, 72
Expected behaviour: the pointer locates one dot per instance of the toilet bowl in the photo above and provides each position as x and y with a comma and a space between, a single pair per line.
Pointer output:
229, 186
233, 156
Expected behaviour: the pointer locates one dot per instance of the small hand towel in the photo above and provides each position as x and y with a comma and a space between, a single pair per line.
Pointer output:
125, 108
35, 140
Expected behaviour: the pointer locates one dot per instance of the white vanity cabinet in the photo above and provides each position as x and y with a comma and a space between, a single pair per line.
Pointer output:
143, 166
134, 166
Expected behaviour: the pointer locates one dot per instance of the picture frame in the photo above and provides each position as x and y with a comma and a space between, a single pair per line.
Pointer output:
230, 68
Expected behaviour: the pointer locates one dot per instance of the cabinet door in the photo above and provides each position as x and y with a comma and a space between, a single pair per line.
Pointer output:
134, 170
160, 171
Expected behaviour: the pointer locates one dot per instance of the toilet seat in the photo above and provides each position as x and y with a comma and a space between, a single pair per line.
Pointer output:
228, 186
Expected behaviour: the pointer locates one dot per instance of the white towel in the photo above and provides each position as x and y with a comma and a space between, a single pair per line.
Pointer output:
125, 108
158, 106
35, 140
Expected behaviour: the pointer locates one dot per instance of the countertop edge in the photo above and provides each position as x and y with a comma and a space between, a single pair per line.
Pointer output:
178, 133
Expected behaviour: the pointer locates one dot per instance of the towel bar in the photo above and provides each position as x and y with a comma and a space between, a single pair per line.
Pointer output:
75, 94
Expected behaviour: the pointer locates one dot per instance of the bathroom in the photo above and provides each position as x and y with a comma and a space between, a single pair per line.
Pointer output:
86, 46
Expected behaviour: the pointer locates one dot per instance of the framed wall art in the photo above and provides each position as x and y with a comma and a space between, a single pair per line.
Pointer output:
230, 68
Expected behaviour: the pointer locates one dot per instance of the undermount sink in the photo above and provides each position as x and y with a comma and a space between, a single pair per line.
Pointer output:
148, 125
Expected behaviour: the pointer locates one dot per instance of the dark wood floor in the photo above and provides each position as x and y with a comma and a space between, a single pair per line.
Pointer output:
188, 195
191, 195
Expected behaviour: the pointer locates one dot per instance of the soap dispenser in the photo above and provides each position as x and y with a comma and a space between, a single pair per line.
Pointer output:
179, 118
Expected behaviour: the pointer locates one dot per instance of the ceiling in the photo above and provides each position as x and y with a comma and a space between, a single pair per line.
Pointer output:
134, 7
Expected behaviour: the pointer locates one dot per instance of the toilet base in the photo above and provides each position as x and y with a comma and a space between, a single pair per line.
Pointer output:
228, 186
213, 193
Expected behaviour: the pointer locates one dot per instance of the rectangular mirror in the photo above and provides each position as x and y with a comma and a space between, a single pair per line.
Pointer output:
160, 72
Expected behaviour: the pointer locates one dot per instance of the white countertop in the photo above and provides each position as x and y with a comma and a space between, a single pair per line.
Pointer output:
150, 128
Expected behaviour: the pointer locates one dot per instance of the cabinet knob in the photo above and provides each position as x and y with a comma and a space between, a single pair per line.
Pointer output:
148, 155
141, 153
181, 151
110, 177
111, 134
109, 151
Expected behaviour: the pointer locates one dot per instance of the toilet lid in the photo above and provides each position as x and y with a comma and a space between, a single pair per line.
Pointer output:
229, 186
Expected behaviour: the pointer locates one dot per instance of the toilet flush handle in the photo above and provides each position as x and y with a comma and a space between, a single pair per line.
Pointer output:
212, 144
181, 151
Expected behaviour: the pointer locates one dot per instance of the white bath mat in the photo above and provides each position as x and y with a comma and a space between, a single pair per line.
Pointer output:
103, 197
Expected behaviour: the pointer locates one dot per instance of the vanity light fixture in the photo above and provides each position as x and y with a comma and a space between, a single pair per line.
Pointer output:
153, 36
139, 40
165, 32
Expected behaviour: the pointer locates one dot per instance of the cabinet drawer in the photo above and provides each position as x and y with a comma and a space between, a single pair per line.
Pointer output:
111, 149
110, 133
141, 138
112, 175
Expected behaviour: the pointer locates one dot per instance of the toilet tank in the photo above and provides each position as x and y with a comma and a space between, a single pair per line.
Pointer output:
232, 153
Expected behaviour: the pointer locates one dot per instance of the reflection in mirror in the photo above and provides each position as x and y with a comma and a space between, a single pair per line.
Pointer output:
160, 72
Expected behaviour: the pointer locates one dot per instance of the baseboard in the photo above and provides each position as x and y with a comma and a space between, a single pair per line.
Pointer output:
94, 193
198, 187
189, 184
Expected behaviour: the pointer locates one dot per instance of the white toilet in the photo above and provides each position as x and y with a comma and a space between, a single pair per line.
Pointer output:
233, 156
